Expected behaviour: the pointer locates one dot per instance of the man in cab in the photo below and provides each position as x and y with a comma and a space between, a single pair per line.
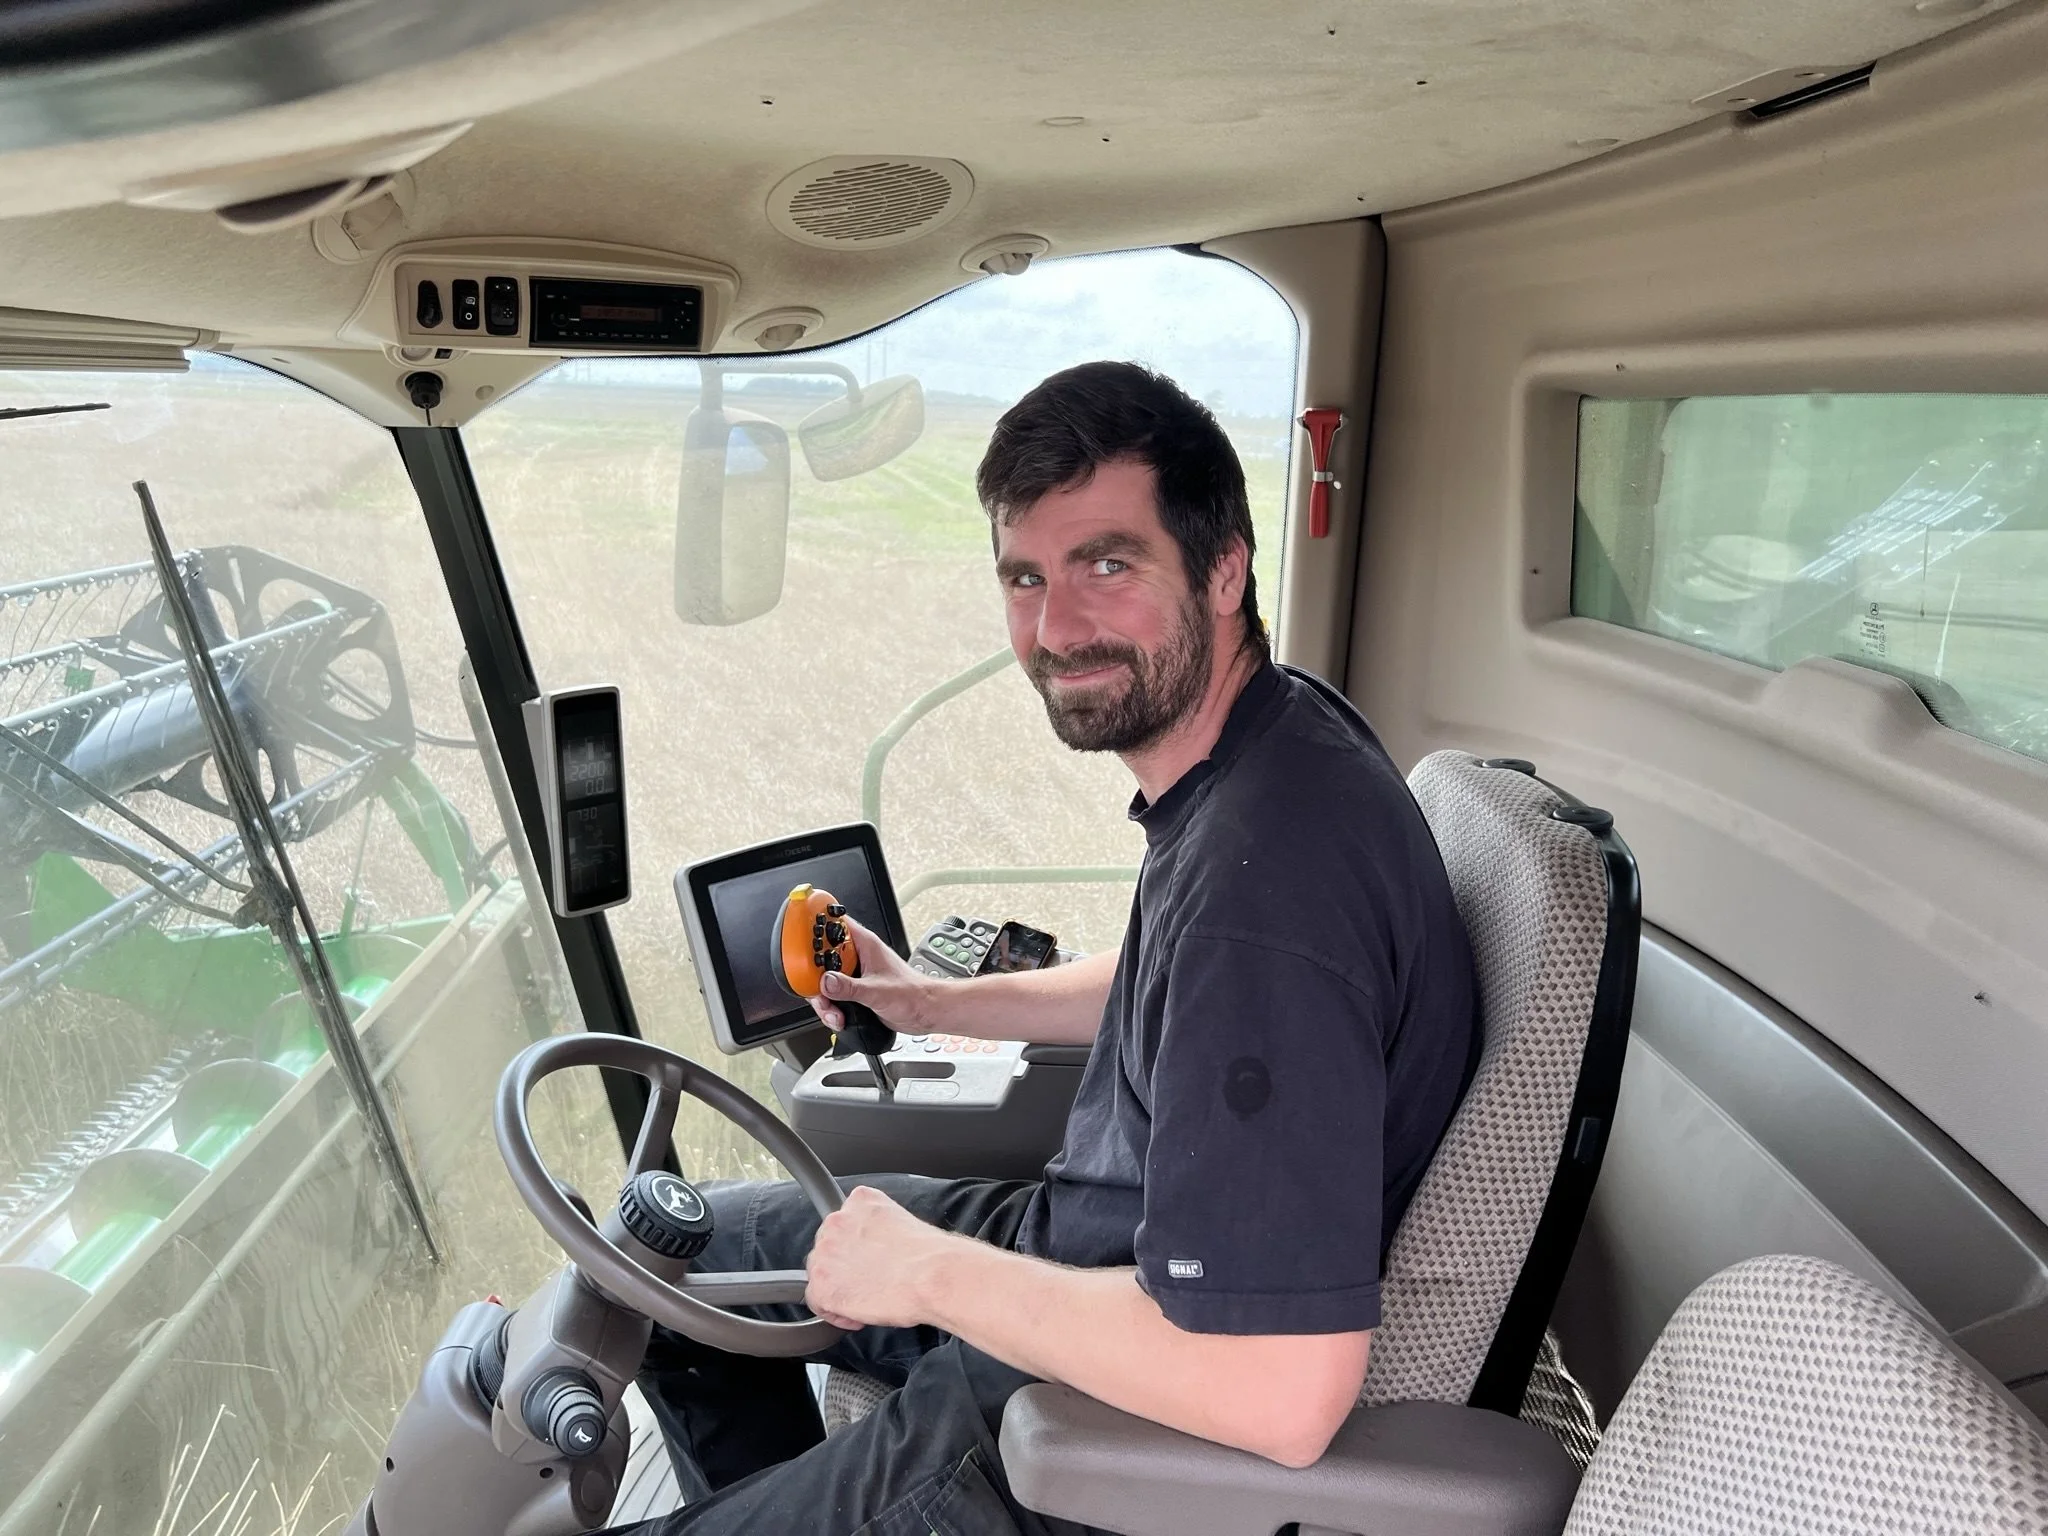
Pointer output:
1276, 1048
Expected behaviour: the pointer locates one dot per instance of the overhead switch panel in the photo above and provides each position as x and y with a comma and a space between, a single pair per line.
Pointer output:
521, 294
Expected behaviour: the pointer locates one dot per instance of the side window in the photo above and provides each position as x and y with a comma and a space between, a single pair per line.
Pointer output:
1907, 533
214, 1291
875, 680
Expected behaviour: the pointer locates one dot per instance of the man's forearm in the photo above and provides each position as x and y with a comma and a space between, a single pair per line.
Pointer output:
1281, 1396
1061, 1005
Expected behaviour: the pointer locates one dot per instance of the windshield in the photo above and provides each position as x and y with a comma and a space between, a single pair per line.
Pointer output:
869, 676
223, 1252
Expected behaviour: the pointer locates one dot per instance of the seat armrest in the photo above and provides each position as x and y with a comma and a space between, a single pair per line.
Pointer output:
1404, 1469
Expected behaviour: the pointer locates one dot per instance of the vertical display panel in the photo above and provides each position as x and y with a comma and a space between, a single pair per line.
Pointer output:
579, 749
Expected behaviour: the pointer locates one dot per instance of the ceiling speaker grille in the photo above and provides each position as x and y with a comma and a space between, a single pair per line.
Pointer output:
859, 202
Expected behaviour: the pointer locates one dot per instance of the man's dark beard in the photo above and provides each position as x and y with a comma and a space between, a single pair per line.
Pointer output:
1162, 690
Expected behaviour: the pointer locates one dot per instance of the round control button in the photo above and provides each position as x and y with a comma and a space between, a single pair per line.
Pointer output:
666, 1213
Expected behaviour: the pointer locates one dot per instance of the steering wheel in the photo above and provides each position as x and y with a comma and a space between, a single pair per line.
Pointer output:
693, 1305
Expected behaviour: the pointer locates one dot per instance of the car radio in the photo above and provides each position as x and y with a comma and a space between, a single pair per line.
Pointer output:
586, 313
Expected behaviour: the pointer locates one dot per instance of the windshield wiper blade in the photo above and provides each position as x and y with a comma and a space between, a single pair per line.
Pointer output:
16, 412
276, 897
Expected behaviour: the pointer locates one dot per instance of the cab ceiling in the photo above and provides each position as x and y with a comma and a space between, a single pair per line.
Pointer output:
667, 125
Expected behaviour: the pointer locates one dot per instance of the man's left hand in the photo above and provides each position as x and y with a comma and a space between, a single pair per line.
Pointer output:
871, 1263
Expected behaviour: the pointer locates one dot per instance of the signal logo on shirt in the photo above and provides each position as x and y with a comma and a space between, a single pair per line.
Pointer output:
1184, 1269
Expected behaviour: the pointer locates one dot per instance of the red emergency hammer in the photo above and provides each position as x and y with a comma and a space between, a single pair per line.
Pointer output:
1321, 424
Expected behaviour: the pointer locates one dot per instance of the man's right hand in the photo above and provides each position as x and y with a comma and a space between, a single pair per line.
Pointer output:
899, 996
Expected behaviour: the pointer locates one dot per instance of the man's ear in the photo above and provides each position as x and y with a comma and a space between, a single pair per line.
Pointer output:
1226, 581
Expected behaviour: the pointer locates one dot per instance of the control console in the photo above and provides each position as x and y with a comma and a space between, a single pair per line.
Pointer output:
958, 946
955, 947
957, 1105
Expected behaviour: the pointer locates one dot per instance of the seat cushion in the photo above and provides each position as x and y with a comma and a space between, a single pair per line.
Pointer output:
1788, 1397
849, 1397
1534, 895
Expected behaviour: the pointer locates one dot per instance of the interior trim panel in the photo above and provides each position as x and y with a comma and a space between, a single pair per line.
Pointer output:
1882, 877
1742, 1131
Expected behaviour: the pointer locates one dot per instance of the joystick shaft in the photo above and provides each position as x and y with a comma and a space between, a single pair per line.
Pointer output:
866, 1034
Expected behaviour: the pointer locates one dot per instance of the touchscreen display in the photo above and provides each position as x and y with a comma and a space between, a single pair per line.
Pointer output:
747, 908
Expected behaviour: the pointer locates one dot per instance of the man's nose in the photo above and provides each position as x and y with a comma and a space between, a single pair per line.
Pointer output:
1063, 622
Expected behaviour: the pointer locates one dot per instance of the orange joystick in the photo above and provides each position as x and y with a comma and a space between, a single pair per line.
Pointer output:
811, 938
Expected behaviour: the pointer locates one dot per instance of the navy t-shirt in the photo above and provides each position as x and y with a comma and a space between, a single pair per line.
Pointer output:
1292, 1022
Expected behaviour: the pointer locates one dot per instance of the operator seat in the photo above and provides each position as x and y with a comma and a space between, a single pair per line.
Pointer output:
1551, 904
1553, 908
1785, 1397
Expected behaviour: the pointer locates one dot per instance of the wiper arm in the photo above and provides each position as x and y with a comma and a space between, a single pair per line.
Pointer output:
15, 413
276, 895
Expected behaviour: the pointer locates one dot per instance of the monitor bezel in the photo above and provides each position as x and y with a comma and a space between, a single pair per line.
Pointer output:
693, 885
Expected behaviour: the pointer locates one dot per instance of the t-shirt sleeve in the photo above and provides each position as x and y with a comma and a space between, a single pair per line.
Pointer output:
1263, 1178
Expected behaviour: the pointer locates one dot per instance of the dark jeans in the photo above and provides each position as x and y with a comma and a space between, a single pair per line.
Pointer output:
749, 1447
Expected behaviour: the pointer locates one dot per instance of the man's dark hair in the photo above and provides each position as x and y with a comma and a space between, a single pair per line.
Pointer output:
1081, 418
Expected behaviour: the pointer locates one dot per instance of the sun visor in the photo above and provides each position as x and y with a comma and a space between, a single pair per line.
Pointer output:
35, 339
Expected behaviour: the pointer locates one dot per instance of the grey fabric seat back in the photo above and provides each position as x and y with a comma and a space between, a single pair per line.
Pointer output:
1787, 1395
1553, 915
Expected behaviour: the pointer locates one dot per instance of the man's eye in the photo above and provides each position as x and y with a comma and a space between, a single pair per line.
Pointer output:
1027, 579
1109, 565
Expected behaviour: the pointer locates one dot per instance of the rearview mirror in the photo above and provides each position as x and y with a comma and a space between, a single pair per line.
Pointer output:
732, 516
864, 429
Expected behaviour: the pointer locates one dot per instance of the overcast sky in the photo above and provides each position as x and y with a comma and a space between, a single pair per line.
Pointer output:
1211, 325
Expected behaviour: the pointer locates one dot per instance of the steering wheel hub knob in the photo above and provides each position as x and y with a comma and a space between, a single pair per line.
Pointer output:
666, 1213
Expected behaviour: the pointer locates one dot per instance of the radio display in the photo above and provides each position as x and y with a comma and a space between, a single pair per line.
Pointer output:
588, 314
639, 313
